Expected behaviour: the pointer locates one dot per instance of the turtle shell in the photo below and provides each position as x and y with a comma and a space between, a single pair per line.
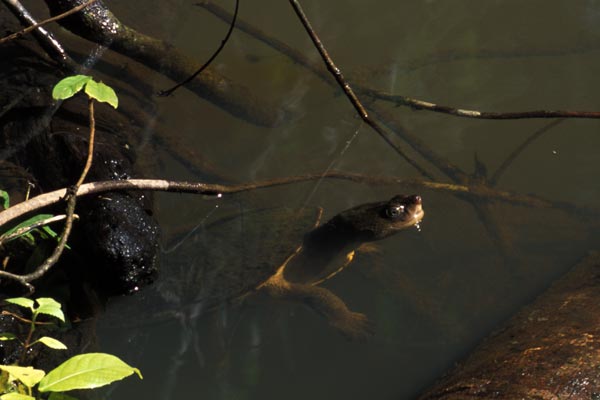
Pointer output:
232, 256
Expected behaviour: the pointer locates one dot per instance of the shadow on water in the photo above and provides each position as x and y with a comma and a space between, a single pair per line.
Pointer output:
433, 293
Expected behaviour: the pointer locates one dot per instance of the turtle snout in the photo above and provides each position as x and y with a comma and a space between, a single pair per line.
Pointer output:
416, 208
415, 198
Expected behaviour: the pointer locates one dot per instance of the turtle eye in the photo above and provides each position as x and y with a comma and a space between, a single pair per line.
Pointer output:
394, 211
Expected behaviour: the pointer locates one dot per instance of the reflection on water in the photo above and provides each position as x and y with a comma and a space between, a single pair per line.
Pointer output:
432, 294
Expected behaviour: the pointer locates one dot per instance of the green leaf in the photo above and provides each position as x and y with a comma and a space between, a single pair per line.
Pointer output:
28, 222
29, 237
51, 342
49, 306
27, 375
69, 86
22, 302
86, 371
16, 396
60, 396
101, 92
49, 231
7, 336
5, 198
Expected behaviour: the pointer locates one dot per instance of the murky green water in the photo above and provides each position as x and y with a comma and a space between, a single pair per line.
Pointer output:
432, 294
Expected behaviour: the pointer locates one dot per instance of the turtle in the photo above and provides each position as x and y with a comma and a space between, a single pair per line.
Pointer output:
285, 254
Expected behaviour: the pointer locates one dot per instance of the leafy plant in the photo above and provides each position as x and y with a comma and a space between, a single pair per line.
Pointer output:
83, 371
98, 91
26, 228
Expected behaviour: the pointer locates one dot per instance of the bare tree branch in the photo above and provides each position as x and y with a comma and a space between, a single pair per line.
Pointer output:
468, 191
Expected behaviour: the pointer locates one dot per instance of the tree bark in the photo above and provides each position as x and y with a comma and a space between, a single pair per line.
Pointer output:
549, 350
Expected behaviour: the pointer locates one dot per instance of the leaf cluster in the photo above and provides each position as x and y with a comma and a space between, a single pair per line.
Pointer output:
83, 371
22, 230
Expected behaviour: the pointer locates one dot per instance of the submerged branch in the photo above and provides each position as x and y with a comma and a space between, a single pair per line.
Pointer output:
512, 156
45, 38
170, 91
37, 25
459, 112
96, 23
380, 95
339, 77
391, 121
382, 113
393, 124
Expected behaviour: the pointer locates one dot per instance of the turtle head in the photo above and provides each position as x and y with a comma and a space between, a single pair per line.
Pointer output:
376, 221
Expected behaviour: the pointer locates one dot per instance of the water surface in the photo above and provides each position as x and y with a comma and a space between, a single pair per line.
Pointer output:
432, 294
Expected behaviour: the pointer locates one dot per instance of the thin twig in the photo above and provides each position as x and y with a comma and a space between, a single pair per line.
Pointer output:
459, 112
17, 35
170, 91
339, 77
90, 156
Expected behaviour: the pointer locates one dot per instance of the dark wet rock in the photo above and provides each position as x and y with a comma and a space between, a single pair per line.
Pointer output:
125, 238
116, 238
10, 350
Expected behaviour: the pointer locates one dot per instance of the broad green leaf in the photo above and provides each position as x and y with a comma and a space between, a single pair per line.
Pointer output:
101, 92
49, 306
51, 342
7, 336
5, 199
27, 375
28, 222
16, 396
21, 301
60, 396
69, 86
86, 371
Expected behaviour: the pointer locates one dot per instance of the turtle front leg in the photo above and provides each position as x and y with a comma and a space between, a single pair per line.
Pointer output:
352, 325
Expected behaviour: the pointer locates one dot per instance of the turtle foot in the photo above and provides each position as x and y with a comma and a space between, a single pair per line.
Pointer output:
354, 326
